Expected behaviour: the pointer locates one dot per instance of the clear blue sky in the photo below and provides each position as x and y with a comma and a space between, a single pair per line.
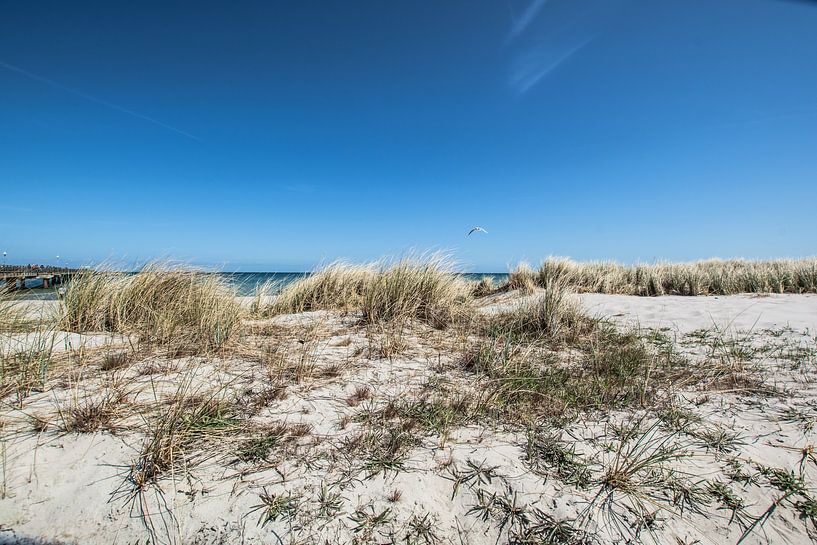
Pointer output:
276, 135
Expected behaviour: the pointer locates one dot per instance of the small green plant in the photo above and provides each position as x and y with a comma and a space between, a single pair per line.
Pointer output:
170, 434
276, 506
383, 446
806, 417
474, 474
368, 520
210, 417
639, 478
687, 495
717, 439
542, 528
420, 530
505, 508
794, 493
258, 448
737, 472
678, 419
546, 452
786, 481
329, 503
729, 501
807, 509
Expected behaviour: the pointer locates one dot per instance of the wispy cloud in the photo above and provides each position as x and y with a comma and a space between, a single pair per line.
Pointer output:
519, 25
538, 64
97, 100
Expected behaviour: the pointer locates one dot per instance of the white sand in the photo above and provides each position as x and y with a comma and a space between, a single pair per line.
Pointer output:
49, 338
685, 314
71, 488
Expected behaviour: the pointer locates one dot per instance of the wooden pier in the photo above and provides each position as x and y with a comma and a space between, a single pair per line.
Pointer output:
10, 275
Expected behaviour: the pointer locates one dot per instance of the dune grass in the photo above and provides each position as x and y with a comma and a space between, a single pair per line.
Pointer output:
523, 278
90, 301
709, 277
538, 366
24, 365
425, 288
544, 359
16, 317
27, 341
338, 285
484, 286
533, 384
552, 314
170, 306
11, 317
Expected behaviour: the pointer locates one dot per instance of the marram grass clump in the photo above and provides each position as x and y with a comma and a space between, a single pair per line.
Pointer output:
709, 277
484, 286
89, 301
553, 314
523, 279
179, 308
338, 285
425, 288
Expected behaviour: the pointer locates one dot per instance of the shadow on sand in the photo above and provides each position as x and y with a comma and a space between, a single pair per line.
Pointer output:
11, 538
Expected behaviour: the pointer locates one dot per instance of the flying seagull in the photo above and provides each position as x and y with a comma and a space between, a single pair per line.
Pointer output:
476, 230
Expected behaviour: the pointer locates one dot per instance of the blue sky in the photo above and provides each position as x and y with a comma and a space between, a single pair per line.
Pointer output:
276, 135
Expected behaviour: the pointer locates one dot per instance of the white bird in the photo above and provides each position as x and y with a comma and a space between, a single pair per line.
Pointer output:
476, 230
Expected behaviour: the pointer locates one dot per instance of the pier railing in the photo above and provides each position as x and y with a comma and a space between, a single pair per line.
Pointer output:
10, 275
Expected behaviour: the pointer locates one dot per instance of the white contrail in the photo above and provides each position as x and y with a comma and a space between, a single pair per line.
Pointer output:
92, 98
536, 66
519, 25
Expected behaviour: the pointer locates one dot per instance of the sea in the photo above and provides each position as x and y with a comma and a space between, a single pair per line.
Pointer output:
245, 282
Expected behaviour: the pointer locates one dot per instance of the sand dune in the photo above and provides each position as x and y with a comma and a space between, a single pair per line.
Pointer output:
324, 475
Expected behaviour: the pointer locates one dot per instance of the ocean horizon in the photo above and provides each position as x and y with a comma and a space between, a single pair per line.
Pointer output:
245, 282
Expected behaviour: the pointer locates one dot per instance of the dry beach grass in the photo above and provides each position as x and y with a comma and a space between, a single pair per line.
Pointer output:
711, 277
161, 303
397, 403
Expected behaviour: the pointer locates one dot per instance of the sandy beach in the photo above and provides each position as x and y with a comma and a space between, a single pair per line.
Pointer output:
319, 471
